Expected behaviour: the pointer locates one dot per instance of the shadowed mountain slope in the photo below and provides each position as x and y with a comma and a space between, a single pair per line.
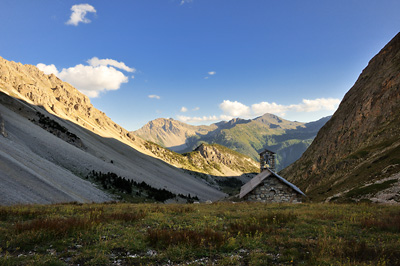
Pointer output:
51, 135
360, 145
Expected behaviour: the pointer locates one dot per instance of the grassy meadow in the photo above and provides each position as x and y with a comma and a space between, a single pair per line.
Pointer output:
200, 234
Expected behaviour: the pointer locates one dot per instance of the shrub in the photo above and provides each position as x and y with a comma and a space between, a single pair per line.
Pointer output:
126, 216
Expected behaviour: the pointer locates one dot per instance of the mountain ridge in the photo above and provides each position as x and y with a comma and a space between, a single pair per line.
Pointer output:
247, 136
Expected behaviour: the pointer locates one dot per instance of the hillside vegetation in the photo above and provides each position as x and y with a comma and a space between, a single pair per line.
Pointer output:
212, 159
218, 166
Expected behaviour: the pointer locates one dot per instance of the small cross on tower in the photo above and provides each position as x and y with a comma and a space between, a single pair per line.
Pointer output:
267, 160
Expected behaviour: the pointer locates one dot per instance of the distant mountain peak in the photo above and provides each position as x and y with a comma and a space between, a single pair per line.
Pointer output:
246, 136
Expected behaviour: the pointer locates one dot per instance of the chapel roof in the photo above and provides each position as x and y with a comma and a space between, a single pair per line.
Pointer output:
257, 180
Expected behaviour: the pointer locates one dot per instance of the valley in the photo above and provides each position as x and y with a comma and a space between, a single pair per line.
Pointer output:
288, 139
48, 124
195, 132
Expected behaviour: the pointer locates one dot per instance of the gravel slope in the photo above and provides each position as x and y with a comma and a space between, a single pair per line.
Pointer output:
38, 167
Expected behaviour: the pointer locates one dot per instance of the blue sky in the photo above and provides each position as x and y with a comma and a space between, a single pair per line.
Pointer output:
201, 61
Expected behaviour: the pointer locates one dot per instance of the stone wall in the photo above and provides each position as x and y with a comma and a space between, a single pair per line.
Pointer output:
272, 190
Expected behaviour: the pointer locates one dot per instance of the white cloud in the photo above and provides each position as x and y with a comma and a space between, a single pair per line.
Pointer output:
110, 62
92, 79
48, 69
328, 104
184, 109
79, 14
266, 107
196, 109
235, 109
319, 104
153, 96
187, 119
186, 1
210, 73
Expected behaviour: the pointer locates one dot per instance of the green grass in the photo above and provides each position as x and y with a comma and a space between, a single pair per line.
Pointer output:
200, 234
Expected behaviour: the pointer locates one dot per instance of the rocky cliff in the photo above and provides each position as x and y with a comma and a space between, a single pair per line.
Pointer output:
360, 144
28, 83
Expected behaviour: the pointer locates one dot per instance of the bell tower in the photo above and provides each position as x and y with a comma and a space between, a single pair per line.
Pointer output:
267, 160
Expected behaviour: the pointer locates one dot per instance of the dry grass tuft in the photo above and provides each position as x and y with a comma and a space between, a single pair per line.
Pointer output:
57, 226
389, 222
180, 209
261, 224
125, 216
360, 251
279, 218
246, 228
19, 214
166, 237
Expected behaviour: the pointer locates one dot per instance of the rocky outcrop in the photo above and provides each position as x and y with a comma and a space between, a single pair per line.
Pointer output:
28, 83
362, 138
213, 160
221, 155
2, 127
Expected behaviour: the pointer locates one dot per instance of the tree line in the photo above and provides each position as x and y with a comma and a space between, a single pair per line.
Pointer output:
111, 181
